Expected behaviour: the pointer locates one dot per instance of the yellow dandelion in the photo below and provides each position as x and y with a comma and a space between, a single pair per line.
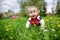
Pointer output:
7, 29
7, 26
58, 25
57, 22
34, 24
52, 25
46, 20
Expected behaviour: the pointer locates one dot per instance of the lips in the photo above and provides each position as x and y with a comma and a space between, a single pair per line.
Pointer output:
33, 16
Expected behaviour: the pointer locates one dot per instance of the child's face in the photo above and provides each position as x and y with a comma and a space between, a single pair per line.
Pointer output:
33, 12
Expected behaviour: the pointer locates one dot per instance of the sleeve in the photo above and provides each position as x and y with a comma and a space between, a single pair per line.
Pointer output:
28, 23
39, 18
41, 21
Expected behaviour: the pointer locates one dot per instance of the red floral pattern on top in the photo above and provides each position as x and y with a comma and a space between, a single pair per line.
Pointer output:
34, 21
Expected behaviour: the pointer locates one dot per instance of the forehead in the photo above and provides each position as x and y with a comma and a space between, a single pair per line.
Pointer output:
32, 8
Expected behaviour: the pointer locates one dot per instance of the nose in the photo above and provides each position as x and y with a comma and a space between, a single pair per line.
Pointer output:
33, 13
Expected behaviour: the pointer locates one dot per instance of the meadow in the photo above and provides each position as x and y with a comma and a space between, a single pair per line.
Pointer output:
15, 29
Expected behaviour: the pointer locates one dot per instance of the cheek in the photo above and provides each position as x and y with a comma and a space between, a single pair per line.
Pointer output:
30, 14
36, 13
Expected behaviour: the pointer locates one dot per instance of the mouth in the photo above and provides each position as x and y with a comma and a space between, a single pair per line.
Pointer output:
33, 16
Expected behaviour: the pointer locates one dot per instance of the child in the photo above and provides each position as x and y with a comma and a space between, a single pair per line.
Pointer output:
34, 17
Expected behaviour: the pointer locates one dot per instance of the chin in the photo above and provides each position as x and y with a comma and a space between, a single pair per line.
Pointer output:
34, 17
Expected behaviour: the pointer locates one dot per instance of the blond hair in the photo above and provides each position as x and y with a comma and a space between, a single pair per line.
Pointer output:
29, 8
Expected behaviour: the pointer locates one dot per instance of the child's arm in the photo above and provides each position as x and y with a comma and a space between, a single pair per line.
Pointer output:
41, 21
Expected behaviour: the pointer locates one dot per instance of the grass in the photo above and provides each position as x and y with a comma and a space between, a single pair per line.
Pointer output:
15, 29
